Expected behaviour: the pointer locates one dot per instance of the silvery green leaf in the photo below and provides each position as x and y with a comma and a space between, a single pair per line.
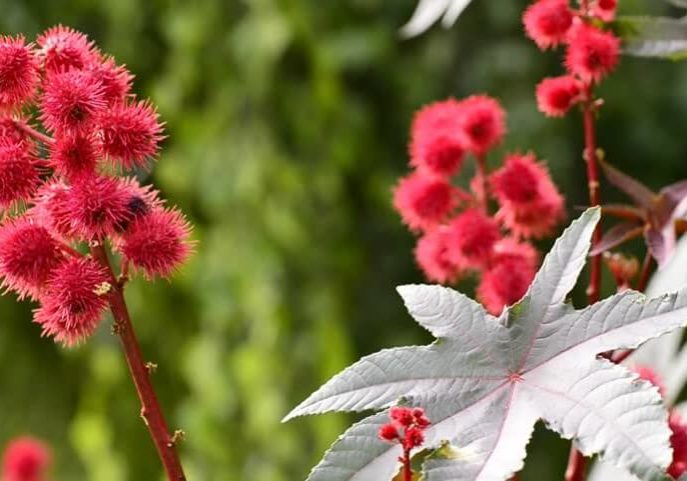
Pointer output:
653, 36
486, 381
428, 12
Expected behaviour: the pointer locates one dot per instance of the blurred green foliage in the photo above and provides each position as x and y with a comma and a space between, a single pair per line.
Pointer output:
287, 124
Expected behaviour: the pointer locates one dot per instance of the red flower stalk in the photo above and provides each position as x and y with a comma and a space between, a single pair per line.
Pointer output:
72, 101
63, 48
482, 123
423, 201
555, 96
28, 254
18, 72
592, 53
26, 459
157, 242
73, 301
547, 22
530, 203
406, 426
131, 133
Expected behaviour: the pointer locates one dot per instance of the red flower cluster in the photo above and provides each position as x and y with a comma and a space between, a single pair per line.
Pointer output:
25, 459
406, 426
70, 197
458, 236
592, 53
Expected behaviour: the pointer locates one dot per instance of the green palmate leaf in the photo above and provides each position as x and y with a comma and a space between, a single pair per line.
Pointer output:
428, 12
486, 381
654, 36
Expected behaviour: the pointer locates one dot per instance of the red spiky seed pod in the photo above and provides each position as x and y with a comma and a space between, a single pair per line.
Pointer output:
73, 301
592, 53
556, 95
414, 438
547, 22
115, 80
605, 9
432, 256
472, 236
19, 172
402, 415
18, 72
435, 143
388, 432
26, 459
28, 254
531, 205
131, 133
510, 273
63, 48
157, 242
72, 101
99, 207
482, 123
75, 155
424, 201
51, 208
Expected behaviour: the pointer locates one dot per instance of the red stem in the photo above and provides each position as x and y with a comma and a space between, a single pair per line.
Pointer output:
31, 132
407, 470
150, 410
576, 461
482, 179
646, 272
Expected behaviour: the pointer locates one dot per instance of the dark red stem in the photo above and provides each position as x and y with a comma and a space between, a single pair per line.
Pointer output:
407, 469
482, 175
576, 461
647, 267
150, 406
31, 132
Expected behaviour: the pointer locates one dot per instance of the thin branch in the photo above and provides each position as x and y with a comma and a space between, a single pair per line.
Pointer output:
140, 372
647, 267
31, 132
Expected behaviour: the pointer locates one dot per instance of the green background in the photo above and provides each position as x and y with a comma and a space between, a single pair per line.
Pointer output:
287, 124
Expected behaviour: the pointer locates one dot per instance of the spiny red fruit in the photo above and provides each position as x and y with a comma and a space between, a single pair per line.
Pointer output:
555, 96
605, 9
28, 254
75, 155
424, 201
19, 172
388, 432
510, 273
114, 79
157, 242
482, 123
678, 441
72, 101
435, 143
402, 415
99, 207
18, 72
25, 459
406, 426
131, 133
73, 300
432, 255
592, 53
52, 209
531, 206
547, 22
63, 48
471, 238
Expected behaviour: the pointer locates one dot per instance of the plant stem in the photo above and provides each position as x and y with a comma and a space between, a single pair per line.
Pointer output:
482, 179
407, 470
150, 406
31, 132
576, 461
646, 272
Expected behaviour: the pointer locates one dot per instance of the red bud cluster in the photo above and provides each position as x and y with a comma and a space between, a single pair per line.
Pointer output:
57, 186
